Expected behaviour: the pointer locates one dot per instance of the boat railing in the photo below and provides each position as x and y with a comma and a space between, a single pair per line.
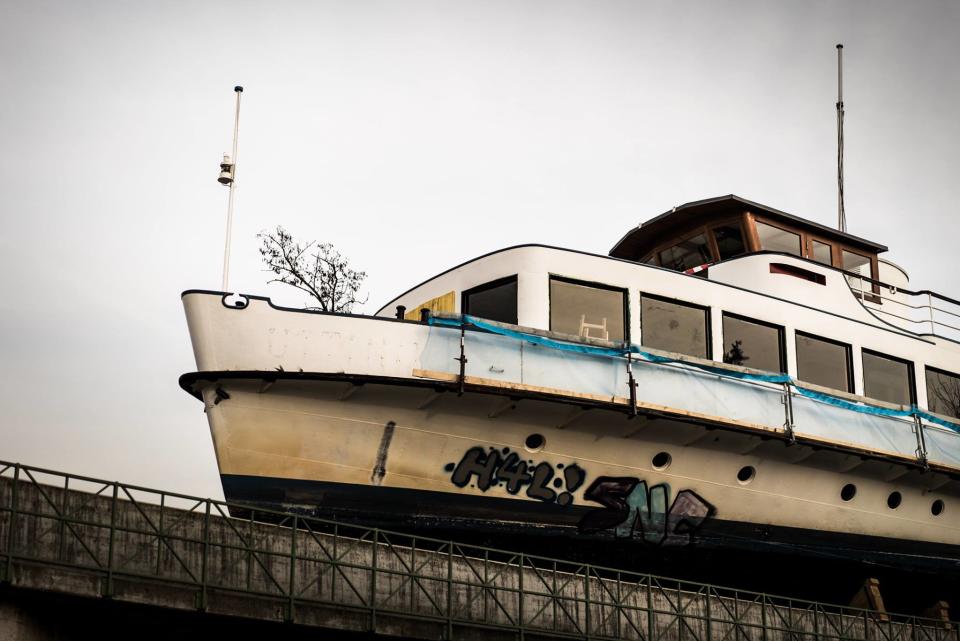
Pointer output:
639, 379
921, 312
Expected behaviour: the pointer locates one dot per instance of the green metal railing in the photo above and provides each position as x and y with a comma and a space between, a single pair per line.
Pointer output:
124, 532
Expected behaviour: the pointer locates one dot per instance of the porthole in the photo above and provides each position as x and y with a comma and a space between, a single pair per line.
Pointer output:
894, 500
937, 508
661, 461
746, 474
848, 492
534, 442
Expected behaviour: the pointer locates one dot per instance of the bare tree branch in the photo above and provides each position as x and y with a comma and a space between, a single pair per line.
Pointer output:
322, 273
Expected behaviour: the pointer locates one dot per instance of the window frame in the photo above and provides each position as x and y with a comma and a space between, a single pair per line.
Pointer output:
937, 370
702, 230
799, 233
493, 284
911, 374
595, 285
848, 349
708, 326
715, 247
781, 338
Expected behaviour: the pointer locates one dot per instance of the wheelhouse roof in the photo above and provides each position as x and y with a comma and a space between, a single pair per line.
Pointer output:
648, 235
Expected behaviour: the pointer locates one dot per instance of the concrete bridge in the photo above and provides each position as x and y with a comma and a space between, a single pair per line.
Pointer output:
82, 557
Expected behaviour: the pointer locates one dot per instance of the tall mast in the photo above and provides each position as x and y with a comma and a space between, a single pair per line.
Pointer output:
228, 175
841, 212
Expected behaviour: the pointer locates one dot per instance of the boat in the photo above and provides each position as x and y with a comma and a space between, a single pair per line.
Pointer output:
731, 380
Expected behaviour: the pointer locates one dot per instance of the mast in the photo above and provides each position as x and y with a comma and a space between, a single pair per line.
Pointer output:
228, 175
841, 212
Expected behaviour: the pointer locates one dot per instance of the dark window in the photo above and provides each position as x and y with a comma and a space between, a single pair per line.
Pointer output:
887, 379
729, 240
820, 252
591, 311
823, 362
753, 344
495, 301
686, 254
674, 326
943, 392
778, 240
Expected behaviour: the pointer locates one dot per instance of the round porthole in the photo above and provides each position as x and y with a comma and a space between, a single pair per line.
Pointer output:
848, 492
534, 442
894, 500
746, 474
661, 461
937, 508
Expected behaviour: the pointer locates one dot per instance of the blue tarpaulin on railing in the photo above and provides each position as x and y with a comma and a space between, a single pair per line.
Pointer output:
634, 350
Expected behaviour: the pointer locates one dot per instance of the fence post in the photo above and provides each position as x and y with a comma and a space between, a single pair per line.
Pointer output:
293, 564
763, 614
586, 590
933, 323
8, 572
921, 441
519, 599
649, 607
373, 584
108, 592
202, 606
709, 634
62, 527
449, 591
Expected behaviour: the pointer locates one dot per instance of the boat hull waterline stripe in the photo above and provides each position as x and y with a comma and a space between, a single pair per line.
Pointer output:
783, 379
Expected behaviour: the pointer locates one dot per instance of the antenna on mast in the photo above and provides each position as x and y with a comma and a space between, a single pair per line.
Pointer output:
228, 176
841, 212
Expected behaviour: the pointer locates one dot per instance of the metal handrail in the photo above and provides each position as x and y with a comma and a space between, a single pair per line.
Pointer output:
873, 293
529, 593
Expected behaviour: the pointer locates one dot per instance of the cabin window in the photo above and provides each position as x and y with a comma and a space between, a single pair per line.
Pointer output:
674, 326
496, 301
856, 263
887, 379
943, 392
587, 310
753, 344
824, 362
820, 252
778, 240
729, 240
692, 252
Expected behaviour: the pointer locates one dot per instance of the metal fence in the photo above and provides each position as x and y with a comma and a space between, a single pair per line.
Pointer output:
121, 532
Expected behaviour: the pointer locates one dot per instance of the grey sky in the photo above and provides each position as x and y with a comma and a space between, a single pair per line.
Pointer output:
412, 135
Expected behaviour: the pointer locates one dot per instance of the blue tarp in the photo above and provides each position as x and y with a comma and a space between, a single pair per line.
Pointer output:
634, 350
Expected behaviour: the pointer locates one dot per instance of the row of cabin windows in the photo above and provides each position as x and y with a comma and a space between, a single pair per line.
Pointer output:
597, 311
782, 240
695, 250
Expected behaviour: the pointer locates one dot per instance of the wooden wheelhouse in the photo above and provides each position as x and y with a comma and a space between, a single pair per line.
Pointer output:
698, 234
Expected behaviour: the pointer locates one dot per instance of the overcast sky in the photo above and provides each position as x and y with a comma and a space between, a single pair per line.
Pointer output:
413, 136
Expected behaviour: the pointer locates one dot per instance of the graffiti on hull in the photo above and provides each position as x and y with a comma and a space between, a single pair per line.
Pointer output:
633, 510
491, 467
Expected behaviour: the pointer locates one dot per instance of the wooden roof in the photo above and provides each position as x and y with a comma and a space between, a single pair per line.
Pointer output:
639, 241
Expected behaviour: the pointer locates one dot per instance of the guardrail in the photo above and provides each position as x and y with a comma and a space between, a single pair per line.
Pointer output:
119, 532
922, 312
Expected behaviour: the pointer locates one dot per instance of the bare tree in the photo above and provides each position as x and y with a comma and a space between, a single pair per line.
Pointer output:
944, 395
314, 268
